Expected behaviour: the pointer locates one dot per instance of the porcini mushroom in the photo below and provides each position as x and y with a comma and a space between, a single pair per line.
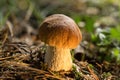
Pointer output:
61, 34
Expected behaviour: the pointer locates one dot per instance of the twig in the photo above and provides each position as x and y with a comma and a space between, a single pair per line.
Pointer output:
29, 12
94, 75
10, 26
10, 57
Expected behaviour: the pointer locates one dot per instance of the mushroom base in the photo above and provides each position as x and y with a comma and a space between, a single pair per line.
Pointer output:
58, 59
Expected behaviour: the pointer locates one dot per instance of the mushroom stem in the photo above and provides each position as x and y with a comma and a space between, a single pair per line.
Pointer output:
58, 59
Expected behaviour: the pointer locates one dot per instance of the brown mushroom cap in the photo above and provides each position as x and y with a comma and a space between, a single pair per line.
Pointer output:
60, 31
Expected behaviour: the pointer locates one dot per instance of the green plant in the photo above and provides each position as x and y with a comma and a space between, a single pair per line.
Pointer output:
115, 33
108, 41
3, 18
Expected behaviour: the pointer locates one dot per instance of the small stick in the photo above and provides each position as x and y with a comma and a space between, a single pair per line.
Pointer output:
94, 75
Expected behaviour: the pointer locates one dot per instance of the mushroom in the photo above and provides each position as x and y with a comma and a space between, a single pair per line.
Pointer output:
61, 34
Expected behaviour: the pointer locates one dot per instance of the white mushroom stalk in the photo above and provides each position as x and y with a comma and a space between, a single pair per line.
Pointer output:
58, 58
